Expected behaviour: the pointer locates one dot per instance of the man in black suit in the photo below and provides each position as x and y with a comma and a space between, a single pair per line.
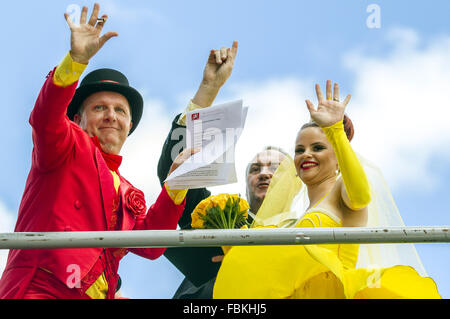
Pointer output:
200, 264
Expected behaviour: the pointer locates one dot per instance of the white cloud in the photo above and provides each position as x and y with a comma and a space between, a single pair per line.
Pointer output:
400, 108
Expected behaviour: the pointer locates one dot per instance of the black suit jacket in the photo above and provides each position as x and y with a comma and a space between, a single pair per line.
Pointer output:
194, 263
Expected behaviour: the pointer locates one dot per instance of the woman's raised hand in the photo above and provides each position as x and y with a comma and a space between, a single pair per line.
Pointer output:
330, 110
85, 40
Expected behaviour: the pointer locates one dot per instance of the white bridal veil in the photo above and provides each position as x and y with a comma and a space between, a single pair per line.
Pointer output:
286, 201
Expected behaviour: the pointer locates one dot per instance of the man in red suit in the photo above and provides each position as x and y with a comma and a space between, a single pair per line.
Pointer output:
74, 182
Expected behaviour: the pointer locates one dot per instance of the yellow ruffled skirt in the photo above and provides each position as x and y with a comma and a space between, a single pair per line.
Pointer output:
313, 271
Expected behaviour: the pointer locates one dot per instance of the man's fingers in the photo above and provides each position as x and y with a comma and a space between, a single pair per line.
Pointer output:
328, 90
218, 57
217, 259
69, 20
107, 36
211, 57
231, 53
185, 154
182, 157
94, 15
83, 16
234, 48
191, 151
101, 24
223, 53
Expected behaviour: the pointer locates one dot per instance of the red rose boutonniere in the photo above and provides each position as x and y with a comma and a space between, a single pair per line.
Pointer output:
135, 202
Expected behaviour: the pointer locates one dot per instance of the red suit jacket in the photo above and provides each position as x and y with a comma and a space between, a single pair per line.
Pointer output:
70, 188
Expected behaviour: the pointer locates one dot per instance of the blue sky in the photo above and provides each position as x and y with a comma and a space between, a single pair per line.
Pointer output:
398, 75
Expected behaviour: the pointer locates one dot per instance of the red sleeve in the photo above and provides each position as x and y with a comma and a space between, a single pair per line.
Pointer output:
162, 215
52, 135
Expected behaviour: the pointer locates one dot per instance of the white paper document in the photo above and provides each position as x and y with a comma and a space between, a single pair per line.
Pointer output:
215, 130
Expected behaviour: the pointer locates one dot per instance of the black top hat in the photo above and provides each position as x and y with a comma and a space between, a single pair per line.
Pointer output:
107, 80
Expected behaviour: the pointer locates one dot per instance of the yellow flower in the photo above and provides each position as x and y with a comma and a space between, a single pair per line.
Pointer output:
220, 212
220, 200
197, 222
202, 206
243, 205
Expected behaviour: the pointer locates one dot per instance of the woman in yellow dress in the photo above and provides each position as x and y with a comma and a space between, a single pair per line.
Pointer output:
337, 192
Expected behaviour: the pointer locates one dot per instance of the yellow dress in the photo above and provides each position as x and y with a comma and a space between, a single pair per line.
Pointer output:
313, 271
316, 271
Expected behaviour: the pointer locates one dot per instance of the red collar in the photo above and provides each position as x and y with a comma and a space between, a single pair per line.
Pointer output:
113, 161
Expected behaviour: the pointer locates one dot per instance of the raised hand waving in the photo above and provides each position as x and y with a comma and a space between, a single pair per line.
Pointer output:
330, 110
217, 71
85, 40
220, 65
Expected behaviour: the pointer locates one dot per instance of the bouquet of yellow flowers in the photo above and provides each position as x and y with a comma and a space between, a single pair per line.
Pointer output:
223, 211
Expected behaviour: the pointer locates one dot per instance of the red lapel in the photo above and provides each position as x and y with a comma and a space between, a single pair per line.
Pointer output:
106, 185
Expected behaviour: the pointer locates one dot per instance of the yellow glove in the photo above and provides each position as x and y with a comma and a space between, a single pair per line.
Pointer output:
353, 175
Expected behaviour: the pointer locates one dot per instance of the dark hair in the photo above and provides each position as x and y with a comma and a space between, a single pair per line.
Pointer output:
348, 127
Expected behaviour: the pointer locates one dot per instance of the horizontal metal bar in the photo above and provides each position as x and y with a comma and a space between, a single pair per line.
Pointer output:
227, 237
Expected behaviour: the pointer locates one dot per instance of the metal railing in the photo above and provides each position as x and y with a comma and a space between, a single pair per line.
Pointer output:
224, 237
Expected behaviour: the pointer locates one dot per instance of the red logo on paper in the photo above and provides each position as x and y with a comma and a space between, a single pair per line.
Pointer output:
195, 116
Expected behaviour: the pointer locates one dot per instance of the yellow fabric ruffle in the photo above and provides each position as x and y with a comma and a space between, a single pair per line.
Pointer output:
313, 271
99, 288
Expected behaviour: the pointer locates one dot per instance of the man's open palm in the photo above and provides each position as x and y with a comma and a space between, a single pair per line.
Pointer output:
85, 40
